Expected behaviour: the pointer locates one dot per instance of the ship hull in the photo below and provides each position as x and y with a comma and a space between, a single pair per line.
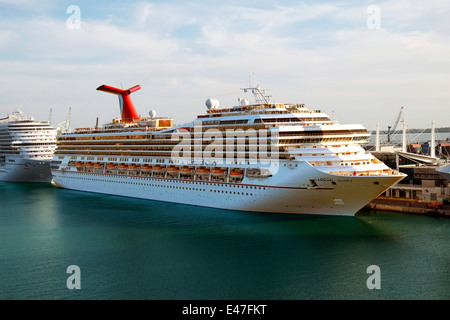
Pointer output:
334, 195
26, 170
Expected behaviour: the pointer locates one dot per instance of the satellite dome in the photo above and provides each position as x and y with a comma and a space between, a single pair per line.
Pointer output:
212, 103
244, 102
152, 113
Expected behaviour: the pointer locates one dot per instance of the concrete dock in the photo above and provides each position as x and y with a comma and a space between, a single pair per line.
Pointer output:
407, 206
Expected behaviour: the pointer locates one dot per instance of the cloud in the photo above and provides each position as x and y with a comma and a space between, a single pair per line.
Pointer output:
181, 53
161, 19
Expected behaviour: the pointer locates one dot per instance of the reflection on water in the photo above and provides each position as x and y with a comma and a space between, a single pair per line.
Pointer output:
138, 249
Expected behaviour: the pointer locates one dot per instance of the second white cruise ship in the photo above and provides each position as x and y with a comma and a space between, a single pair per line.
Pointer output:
26, 149
264, 157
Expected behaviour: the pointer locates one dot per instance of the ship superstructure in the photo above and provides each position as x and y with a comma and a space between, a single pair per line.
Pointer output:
265, 156
26, 149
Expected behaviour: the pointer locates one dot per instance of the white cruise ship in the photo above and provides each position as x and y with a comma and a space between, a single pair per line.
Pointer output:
26, 149
264, 157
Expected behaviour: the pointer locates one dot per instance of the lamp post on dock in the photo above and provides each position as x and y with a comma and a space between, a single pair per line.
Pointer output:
433, 140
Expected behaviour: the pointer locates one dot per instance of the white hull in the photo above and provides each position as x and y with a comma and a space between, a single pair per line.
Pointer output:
282, 193
26, 170
26, 149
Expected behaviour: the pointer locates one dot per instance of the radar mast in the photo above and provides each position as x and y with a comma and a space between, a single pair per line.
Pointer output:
258, 93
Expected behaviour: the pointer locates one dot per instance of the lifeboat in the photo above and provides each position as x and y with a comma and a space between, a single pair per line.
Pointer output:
132, 167
157, 169
185, 170
217, 172
123, 166
202, 171
146, 168
90, 165
110, 166
172, 170
79, 164
236, 174
98, 165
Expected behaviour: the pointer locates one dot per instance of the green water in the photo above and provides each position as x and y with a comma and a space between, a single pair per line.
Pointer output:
137, 249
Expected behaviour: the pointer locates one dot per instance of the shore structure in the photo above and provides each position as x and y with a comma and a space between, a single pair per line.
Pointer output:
426, 189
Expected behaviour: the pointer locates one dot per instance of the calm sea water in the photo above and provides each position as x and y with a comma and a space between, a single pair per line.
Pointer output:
137, 249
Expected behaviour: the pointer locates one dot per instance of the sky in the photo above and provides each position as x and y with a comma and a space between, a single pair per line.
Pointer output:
358, 61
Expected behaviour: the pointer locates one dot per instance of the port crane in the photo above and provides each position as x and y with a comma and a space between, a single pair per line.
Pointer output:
394, 126
63, 126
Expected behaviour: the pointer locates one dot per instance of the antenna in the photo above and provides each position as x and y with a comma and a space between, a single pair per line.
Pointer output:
258, 93
253, 80
69, 119
50, 117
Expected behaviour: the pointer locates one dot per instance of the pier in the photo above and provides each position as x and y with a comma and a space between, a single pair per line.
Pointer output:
425, 190
422, 192
413, 206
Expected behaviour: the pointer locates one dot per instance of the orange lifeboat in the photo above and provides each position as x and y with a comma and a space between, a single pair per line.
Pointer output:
236, 174
172, 170
157, 169
89, 164
110, 166
98, 165
79, 164
217, 172
123, 166
146, 168
185, 170
202, 171
132, 167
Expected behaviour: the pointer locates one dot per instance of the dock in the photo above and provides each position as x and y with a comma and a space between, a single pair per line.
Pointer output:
412, 206
424, 191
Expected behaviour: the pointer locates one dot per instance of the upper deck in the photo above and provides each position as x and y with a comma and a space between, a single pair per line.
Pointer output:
119, 126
